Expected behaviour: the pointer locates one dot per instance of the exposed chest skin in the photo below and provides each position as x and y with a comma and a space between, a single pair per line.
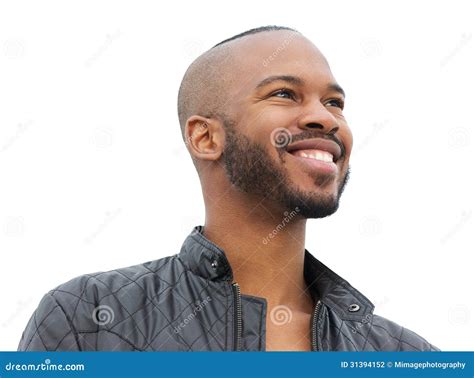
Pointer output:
294, 335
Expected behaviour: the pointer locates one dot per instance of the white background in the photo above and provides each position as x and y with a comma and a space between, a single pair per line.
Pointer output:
94, 175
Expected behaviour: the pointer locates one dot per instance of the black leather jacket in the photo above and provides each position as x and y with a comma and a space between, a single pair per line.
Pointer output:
188, 302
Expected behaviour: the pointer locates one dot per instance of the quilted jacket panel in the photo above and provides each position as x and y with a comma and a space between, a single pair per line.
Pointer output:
186, 302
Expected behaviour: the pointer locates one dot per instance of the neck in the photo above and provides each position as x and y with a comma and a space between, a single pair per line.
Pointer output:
265, 247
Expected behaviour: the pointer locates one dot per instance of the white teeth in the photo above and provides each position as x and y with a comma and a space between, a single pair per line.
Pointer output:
317, 155
328, 157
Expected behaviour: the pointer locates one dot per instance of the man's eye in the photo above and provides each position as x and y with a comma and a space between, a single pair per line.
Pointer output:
284, 93
337, 103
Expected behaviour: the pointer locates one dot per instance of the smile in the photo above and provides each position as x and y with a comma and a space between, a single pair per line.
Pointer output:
318, 155
315, 154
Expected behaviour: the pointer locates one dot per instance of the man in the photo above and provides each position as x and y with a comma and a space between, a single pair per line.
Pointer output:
262, 117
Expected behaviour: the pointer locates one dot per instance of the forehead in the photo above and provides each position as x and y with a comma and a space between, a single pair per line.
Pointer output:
277, 53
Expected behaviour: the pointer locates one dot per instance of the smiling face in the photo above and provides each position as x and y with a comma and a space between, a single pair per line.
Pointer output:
286, 139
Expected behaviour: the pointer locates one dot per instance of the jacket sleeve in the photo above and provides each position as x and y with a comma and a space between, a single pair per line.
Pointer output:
49, 329
389, 336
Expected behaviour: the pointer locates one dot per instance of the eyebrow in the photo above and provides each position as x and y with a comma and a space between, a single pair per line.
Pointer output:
288, 78
336, 88
295, 80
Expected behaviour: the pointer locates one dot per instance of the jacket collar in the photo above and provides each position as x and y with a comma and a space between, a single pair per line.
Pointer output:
205, 259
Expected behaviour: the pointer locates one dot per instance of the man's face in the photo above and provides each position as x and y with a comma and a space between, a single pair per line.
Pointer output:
286, 137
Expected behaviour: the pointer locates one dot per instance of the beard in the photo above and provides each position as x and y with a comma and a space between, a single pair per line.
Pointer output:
251, 169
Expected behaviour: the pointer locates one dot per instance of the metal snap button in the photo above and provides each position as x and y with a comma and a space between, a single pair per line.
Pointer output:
354, 307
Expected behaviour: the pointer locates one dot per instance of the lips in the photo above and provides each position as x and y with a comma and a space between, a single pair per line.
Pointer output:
319, 149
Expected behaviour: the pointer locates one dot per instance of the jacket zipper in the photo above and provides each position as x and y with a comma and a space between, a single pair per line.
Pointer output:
314, 333
237, 316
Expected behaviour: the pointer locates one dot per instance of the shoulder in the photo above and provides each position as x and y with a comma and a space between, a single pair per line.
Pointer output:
88, 303
93, 287
386, 335
122, 290
370, 332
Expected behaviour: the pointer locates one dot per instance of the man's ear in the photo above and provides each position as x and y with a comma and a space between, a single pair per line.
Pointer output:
204, 138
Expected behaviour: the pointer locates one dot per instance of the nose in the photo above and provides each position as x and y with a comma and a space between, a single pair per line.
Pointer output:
319, 118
